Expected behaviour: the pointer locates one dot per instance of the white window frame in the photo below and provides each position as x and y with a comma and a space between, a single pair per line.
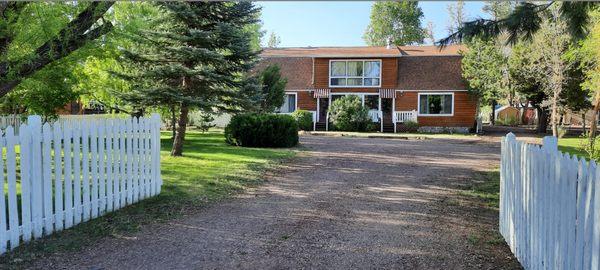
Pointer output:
295, 102
355, 77
434, 94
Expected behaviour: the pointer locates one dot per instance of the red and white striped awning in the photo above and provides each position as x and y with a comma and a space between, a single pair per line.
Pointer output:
387, 93
322, 93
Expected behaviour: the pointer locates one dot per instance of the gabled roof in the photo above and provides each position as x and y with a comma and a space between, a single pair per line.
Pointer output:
365, 51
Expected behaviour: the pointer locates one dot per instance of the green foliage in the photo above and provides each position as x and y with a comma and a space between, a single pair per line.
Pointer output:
482, 68
262, 130
348, 114
411, 126
524, 20
508, 121
272, 90
304, 119
590, 147
399, 21
201, 120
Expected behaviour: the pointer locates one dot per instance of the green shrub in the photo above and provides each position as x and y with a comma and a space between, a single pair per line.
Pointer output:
304, 119
201, 120
262, 130
348, 114
410, 126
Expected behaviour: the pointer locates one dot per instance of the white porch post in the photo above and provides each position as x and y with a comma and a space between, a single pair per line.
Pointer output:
327, 116
318, 101
381, 114
394, 111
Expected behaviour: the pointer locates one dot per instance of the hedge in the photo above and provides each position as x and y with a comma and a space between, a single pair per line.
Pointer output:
262, 130
304, 119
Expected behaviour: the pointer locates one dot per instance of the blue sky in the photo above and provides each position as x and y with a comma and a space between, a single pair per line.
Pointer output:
301, 24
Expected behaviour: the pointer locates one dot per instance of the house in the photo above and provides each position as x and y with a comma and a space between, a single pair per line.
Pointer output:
422, 84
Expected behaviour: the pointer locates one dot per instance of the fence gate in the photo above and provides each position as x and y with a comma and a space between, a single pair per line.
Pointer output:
549, 206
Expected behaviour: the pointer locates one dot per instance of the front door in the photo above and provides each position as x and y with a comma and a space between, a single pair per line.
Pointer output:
386, 110
323, 108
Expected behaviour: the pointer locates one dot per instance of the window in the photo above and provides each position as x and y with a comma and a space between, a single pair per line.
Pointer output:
436, 104
289, 104
348, 73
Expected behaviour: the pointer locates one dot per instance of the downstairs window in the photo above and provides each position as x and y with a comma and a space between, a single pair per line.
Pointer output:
289, 104
436, 104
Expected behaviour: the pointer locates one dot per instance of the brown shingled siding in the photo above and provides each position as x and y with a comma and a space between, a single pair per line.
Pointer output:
389, 75
430, 73
306, 101
464, 110
297, 70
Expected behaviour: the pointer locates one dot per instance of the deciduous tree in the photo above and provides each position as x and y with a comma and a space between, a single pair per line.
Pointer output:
398, 22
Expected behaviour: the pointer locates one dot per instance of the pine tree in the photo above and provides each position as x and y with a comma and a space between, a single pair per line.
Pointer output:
196, 59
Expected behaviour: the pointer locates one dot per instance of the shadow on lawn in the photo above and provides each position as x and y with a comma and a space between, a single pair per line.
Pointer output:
209, 170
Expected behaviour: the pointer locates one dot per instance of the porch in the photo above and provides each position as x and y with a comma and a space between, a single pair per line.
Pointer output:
381, 107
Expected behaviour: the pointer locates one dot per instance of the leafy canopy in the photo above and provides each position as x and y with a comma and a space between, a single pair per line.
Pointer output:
397, 21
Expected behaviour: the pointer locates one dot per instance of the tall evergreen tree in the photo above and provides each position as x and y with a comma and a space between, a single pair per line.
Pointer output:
196, 59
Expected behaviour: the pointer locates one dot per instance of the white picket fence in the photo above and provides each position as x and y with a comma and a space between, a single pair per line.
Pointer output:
58, 175
549, 207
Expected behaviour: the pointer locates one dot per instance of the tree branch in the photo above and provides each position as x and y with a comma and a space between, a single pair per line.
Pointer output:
73, 36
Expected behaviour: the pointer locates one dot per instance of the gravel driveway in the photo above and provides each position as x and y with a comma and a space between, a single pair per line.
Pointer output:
343, 203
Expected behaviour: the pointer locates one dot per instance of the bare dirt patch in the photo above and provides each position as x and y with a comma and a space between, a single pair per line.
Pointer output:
344, 203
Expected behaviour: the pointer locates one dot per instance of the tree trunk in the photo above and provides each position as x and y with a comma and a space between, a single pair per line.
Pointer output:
583, 121
173, 122
554, 114
493, 115
542, 126
594, 123
177, 150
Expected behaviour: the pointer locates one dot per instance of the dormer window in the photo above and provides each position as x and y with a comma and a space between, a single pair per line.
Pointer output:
353, 73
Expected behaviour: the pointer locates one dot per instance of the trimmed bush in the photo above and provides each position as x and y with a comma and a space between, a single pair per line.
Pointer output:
304, 119
262, 130
408, 126
348, 114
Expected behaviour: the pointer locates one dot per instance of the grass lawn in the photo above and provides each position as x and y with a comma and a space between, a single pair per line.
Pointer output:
210, 170
572, 146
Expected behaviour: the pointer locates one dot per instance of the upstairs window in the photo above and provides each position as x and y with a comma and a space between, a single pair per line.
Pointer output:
436, 104
351, 73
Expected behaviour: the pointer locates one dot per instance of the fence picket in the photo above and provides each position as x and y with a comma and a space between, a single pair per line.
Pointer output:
77, 213
85, 165
58, 182
94, 171
37, 200
11, 172
68, 174
109, 162
47, 179
3, 213
25, 142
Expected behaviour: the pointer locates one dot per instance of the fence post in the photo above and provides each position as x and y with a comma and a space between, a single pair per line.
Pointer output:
155, 146
35, 126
